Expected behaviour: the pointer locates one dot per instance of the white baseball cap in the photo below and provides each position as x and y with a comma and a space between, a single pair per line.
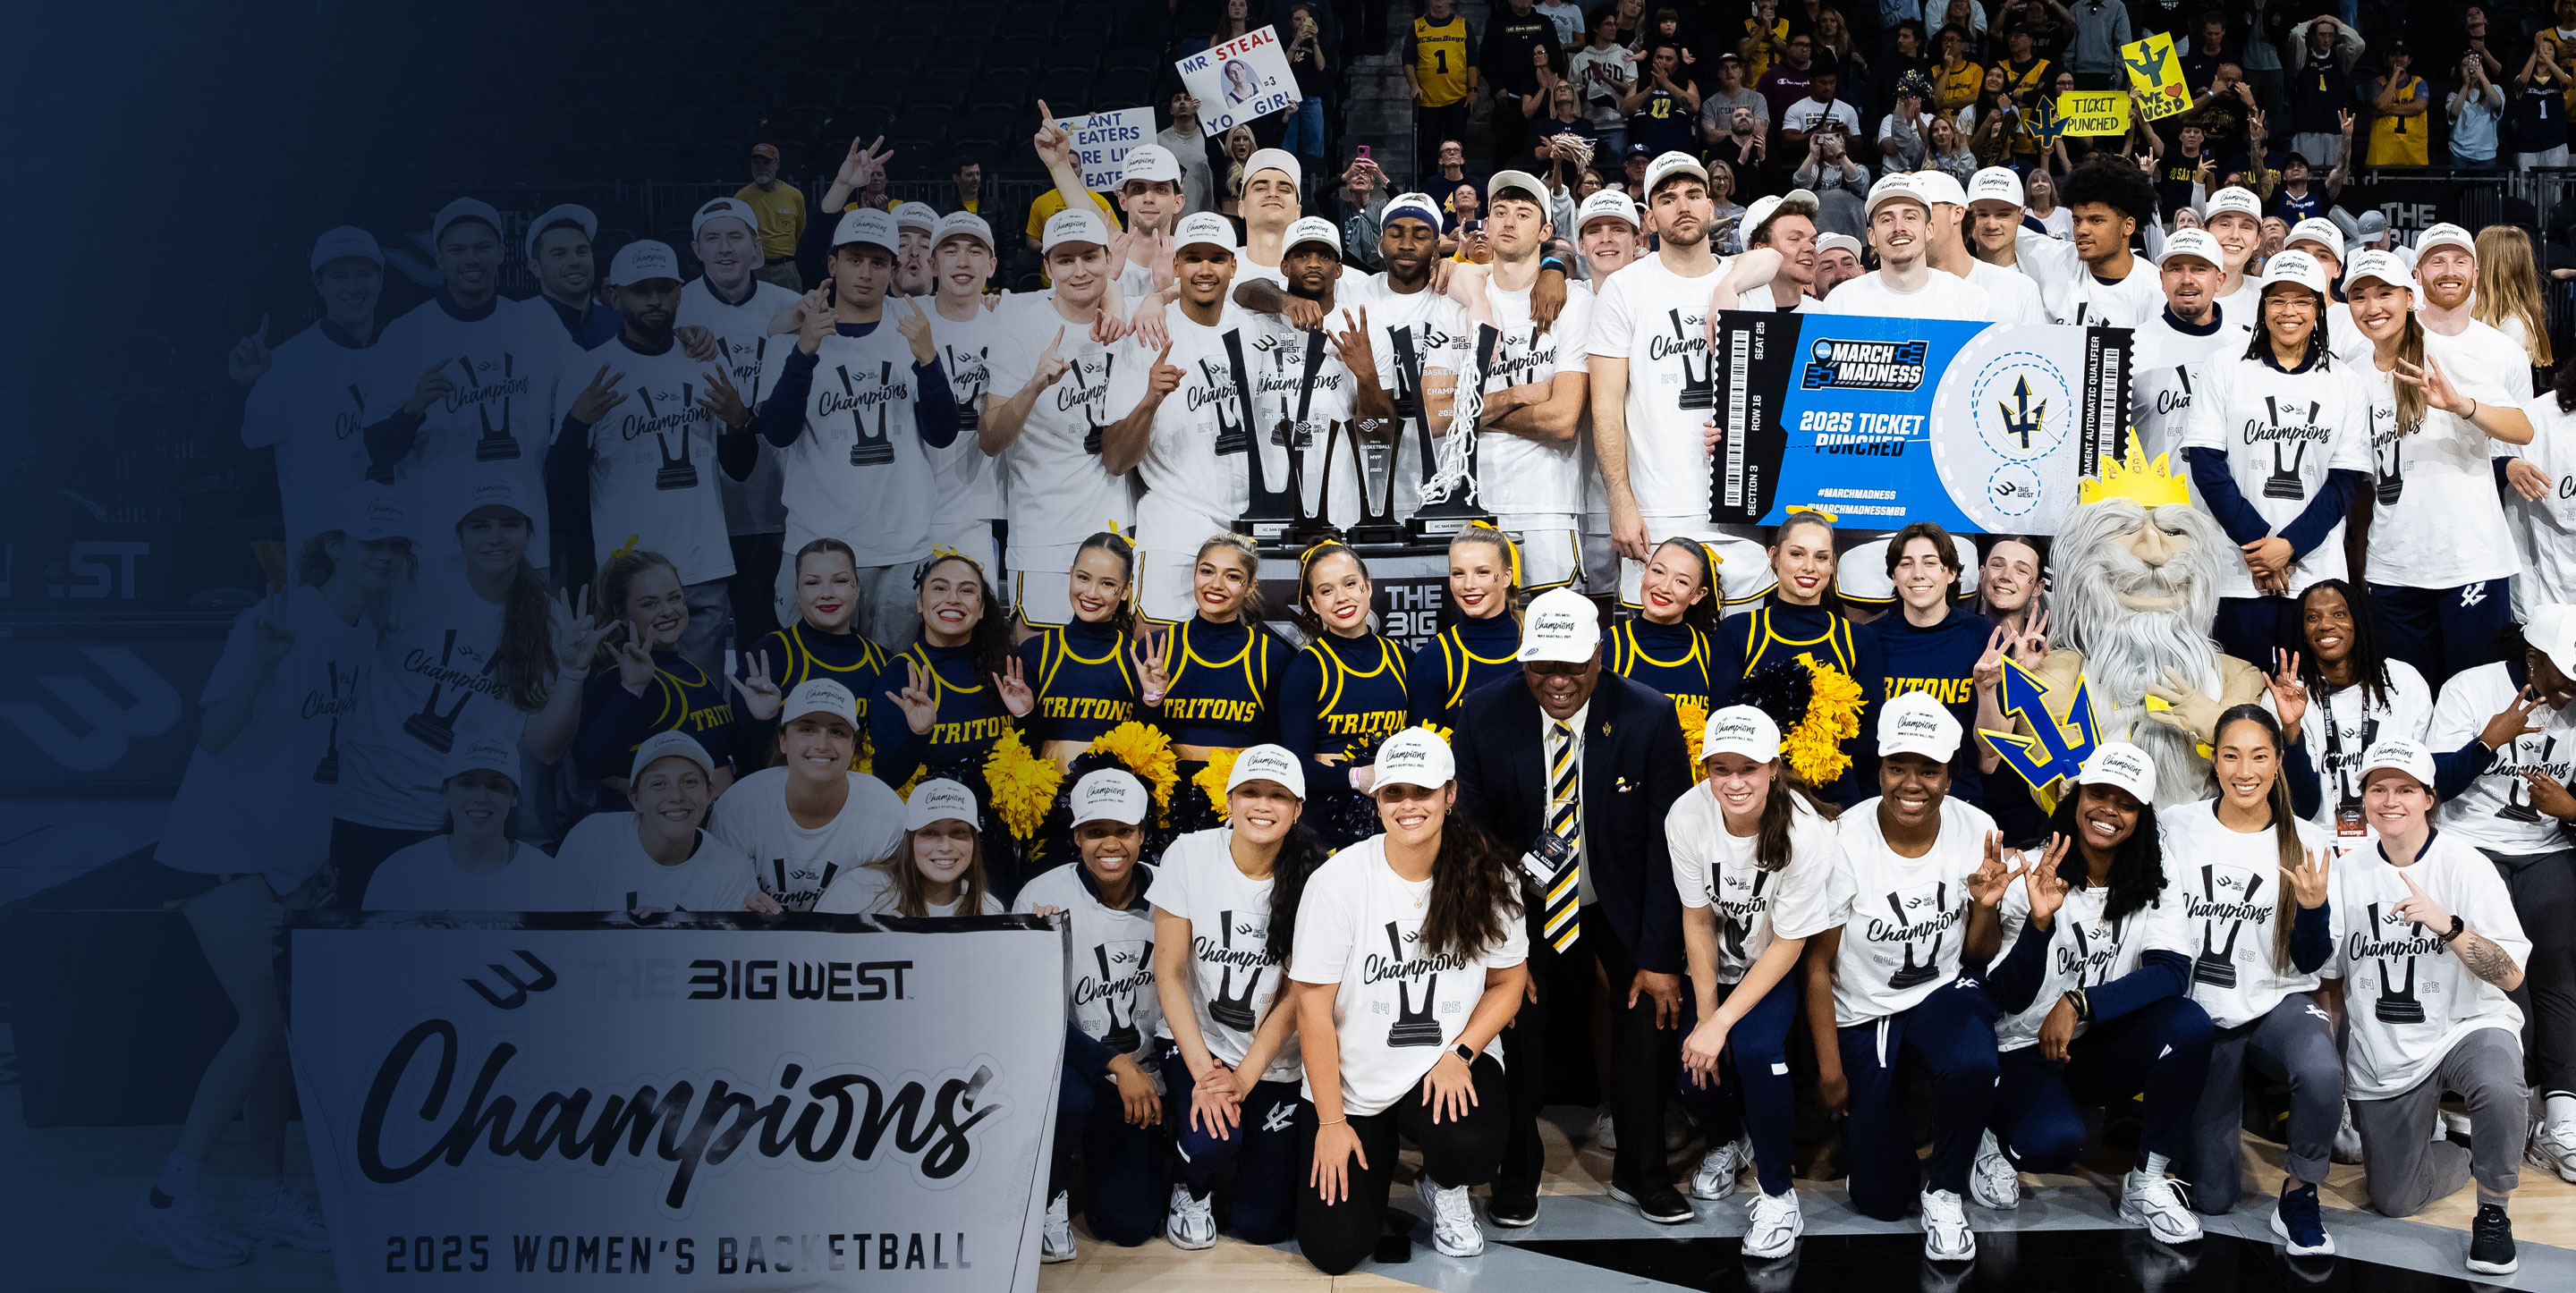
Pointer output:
1268, 763
2445, 235
498, 489
643, 261
1609, 203
1311, 229
965, 224
1914, 723
2552, 629
720, 209
916, 215
867, 225
1151, 163
1109, 795
579, 215
344, 242
375, 513
2319, 230
1938, 186
1671, 164
669, 745
2401, 755
485, 753
2198, 243
1893, 188
1274, 159
1763, 208
2381, 265
939, 800
1520, 182
2234, 199
462, 209
1844, 241
1561, 625
1419, 206
820, 696
1204, 227
1416, 756
2119, 763
1995, 184
1740, 729
1070, 225
2295, 267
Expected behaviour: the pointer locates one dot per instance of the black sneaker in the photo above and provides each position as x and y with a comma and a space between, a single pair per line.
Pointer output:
1662, 1205
1512, 1211
2491, 1242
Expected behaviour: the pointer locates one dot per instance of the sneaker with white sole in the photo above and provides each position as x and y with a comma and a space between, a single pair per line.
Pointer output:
1718, 1168
2347, 1138
2553, 1146
189, 1231
1453, 1219
1776, 1225
1056, 1241
2300, 1223
285, 1218
1993, 1181
2156, 1203
1946, 1237
2491, 1242
1605, 1131
1191, 1224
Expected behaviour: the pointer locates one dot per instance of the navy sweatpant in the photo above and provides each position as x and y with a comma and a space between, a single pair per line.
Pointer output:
1953, 1033
2162, 1050
2440, 631
1752, 1090
1259, 1153
2252, 628
1124, 1187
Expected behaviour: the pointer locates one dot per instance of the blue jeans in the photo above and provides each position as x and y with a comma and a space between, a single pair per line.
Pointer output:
1306, 129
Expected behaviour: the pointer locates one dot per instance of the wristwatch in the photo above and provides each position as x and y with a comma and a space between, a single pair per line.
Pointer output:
2458, 927
1465, 1054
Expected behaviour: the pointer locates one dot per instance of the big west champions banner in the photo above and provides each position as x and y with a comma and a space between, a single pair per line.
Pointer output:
693, 1106
1884, 422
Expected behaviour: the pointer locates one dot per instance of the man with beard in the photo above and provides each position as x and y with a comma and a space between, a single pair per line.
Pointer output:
1785, 224
914, 224
1426, 332
1905, 286
1527, 469
2472, 353
1347, 383
559, 256
2014, 299
733, 304
2168, 352
1837, 262
307, 396
643, 475
967, 481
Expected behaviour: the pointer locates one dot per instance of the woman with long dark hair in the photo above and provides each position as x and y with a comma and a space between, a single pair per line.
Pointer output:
1671, 645
1754, 857
960, 689
1225, 910
2253, 878
1480, 633
1344, 692
938, 869
1084, 671
640, 684
2356, 697
1212, 681
1802, 617
1409, 963
2095, 990
2013, 600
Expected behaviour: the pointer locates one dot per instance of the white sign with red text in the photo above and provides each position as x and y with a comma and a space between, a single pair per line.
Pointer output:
1244, 78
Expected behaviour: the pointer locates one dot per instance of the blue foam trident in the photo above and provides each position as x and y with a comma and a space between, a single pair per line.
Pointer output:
2062, 737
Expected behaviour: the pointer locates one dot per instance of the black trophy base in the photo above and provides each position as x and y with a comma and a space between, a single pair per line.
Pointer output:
1441, 522
496, 449
327, 771
1413, 1032
2393, 1010
430, 732
1265, 529
1233, 1014
2216, 971
2284, 487
679, 477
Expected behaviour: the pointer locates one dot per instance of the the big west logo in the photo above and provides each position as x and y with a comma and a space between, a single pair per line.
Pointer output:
1862, 365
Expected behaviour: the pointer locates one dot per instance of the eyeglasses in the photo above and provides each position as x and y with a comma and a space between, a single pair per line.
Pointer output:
1556, 668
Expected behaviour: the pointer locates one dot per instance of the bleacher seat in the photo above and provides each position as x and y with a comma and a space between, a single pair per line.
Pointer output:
1076, 52
975, 23
1016, 54
1069, 90
1030, 18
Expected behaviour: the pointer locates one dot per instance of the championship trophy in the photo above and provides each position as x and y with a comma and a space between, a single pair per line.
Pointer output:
1273, 511
1449, 463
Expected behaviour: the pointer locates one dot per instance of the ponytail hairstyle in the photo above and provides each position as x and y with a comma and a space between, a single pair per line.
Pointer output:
2137, 866
2410, 397
1831, 599
1702, 614
608, 592
2509, 288
1308, 622
2369, 663
1299, 854
1246, 555
2285, 823
526, 661
988, 644
1507, 554
1122, 619
911, 891
1780, 807
1475, 892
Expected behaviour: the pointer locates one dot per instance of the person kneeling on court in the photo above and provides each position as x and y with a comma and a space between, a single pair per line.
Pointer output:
2430, 947
1407, 967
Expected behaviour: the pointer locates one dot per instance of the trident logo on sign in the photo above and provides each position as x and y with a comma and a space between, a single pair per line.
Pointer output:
2020, 418
2063, 737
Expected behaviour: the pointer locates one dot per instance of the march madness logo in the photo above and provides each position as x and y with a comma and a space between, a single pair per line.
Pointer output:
1863, 366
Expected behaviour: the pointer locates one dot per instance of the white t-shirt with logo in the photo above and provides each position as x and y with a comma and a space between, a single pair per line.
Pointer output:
2438, 522
858, 471
2281, 433
2407, 998
2546, 531
1712, 868
1398, 1007
2165, 367
516, 373
2339, 728
425, 877
602, 857
1942, 296
795, 864
1280, 383
1411, 333
653, 470
1193, 469
1236, 981
1112, 959
751, 505
870, 891
311, 405
1057, 491
2013, 295
968, 480
1518, 477
2086, 949
2126, 303
2495, 812
2230, 890
1904, 920
1657, 321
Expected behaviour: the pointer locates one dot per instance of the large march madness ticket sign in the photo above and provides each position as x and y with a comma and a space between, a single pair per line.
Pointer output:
1883, 422
705, 1104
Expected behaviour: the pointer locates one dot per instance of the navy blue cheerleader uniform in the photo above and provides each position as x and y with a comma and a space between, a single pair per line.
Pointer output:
800, 653
1223, 688
1778, 631
1941, 661
1083, 681
681, 698
1343, 697
1460, 658
1675, 659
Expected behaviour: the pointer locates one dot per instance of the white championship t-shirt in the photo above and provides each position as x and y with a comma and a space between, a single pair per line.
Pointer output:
1057, 491
2495, 812
968, 480
1236, 980
516, 373
858, 471
2281, 432
2086, 949
2339, 727
2546, 530
311, 406
2407, 999
1712, 868
2230, 886
2438, 523
1398, 1007
1904, 920
1411, 333
1942, 296
1193, 469
1657, 321
653, 470
752, 506
2013, 295
603, 858
425, 877
1518, 478
795, 865
2165, 366
1111, 966
2125, 303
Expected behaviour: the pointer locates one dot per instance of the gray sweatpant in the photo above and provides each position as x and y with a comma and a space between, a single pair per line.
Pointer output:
2406, 1169
2292, 1044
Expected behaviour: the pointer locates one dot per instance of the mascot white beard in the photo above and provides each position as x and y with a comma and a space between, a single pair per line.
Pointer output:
2135, 595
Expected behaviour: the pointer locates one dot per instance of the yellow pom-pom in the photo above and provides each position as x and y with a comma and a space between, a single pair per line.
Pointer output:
1147, 752
1211, 779
1814, 748
1023, 786
1694, 719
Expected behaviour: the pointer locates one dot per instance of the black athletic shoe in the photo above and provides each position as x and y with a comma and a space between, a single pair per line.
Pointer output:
1512, 1211
1662, 1205
2491, 1242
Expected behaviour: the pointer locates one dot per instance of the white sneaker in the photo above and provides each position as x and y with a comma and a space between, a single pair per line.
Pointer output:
286, 1218
2156, 1203
189, 1231
2553, 1146
1192, 1222
1718, 1168
1453, 1219
1777, 1223
1946, 1237
1605, 1131
1056, 1245
1993, 1181
2347, 1138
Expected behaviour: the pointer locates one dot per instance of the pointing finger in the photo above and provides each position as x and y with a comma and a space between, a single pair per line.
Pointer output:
263, 331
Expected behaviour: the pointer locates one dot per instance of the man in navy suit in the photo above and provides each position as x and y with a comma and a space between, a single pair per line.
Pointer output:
1576, 768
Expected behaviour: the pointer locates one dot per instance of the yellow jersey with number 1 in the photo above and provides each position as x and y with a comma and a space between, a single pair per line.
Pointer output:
1440, 60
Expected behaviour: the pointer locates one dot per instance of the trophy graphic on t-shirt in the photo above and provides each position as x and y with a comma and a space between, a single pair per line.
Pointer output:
430, 727
2517, 792
1699, 385
327, 771
2284, 481
680, 472
1122, 1035
1732, 930
1095, 405
868, 450
967, 375
1412, 1027
1910, 974
2388, 470
2216, 964
1227, 1007
497, 444
1233, 429
2396, 1005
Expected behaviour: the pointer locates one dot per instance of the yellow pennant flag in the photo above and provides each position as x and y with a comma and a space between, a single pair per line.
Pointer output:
2093, 112
2157, 74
